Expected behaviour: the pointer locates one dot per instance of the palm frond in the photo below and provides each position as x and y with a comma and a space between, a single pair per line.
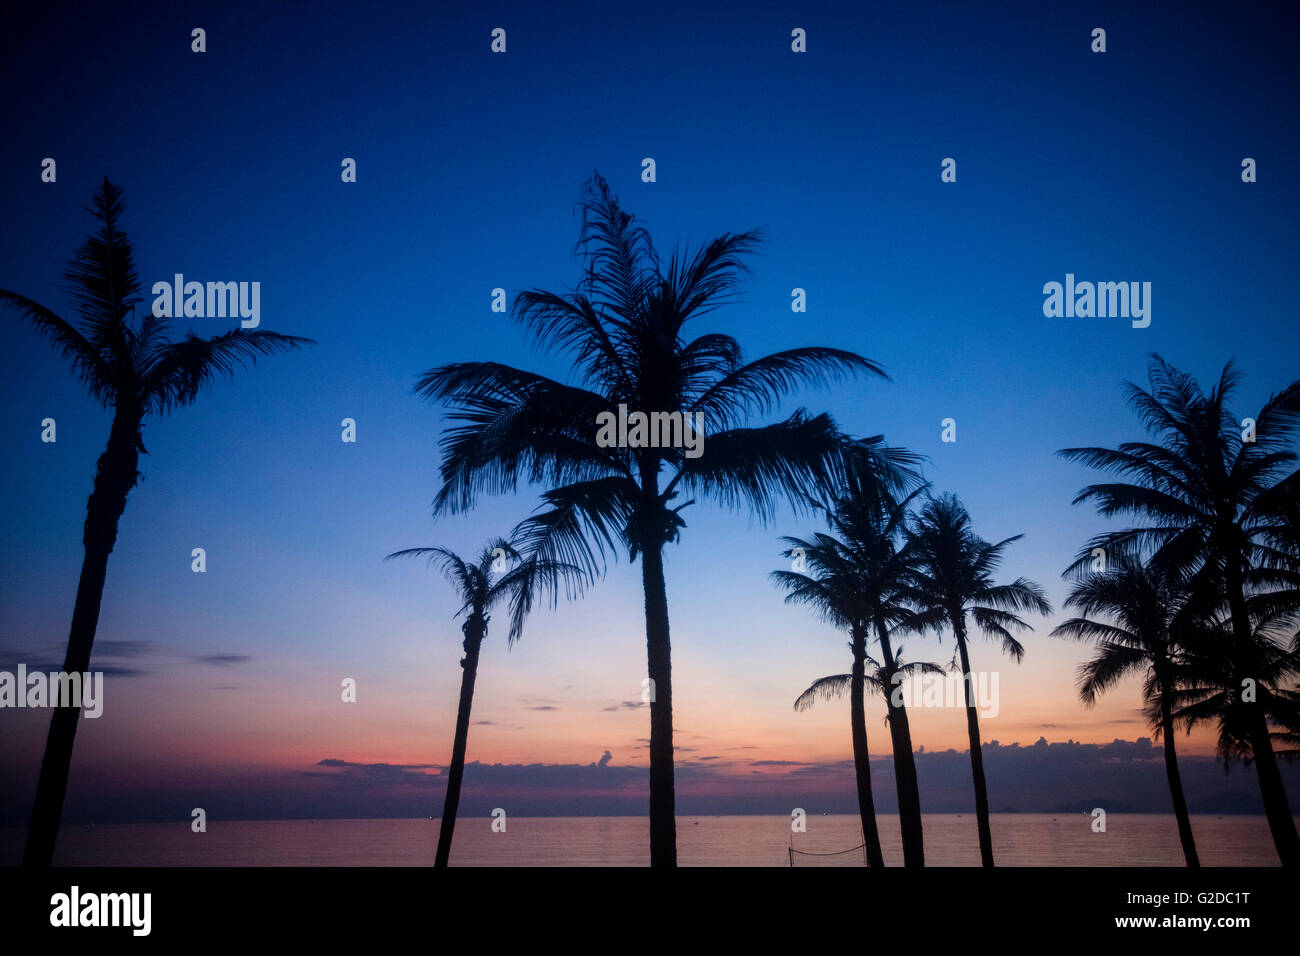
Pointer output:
90, 368
182, 369
824, 688
759, 467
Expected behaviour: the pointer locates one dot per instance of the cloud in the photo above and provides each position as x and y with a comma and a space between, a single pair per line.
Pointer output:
605, 758
50, 658
336, 762
1122, 776
223, 660
377, 774
113, 658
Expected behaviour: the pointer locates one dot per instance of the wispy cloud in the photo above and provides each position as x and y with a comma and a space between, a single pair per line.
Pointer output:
223, 660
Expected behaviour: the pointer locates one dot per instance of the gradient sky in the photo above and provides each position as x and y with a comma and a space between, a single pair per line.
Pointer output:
1122, 166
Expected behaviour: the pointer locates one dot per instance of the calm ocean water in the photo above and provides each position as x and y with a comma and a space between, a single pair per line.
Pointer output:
950, 840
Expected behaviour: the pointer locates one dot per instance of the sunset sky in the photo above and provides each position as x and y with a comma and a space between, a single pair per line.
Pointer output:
1116, 167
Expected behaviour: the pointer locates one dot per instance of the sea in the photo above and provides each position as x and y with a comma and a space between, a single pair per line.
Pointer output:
1019, 839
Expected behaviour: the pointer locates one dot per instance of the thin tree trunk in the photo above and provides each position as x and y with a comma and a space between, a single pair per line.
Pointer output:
474, 630
861, 755
663, 809
1276, 808
115, 476
976, 753
909, 793
1176, 784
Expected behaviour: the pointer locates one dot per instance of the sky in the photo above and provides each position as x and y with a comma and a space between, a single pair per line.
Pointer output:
1122, 166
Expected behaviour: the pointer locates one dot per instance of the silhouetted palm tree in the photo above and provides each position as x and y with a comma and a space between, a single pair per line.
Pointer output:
857, 580
1214, 495
624, 330
1209, 689
499, 575
867, 672
953, 578
1144, 614
130, 365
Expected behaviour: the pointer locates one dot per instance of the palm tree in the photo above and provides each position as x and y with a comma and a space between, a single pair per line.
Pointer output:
953, 572
1289, 719
482, 586
1145, 612
857, 580
867, 672
624, 330
1213, 497
128, 364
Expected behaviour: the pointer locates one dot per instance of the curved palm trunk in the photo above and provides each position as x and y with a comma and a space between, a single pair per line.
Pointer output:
976, 752
1176, 784
1276, 808
475, 628
861, 755
663, 809
115, 476
909, 793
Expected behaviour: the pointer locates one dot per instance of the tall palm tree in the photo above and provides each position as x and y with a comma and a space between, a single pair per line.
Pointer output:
857, 580
1212, 498
867, 672
129, 364
1144, 614
624, 328
953, 572
499, 576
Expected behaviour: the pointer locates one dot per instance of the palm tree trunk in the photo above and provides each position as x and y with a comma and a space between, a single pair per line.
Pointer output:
474, 630
976, 753
861, 755
1176, 784
115, 476
909, 793
663, 809
1273, 793
1276, 807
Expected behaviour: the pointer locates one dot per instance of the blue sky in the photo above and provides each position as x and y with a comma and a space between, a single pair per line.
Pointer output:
1116, 166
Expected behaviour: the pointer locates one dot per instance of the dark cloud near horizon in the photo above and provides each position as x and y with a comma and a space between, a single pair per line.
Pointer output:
1122, 776
362, 775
